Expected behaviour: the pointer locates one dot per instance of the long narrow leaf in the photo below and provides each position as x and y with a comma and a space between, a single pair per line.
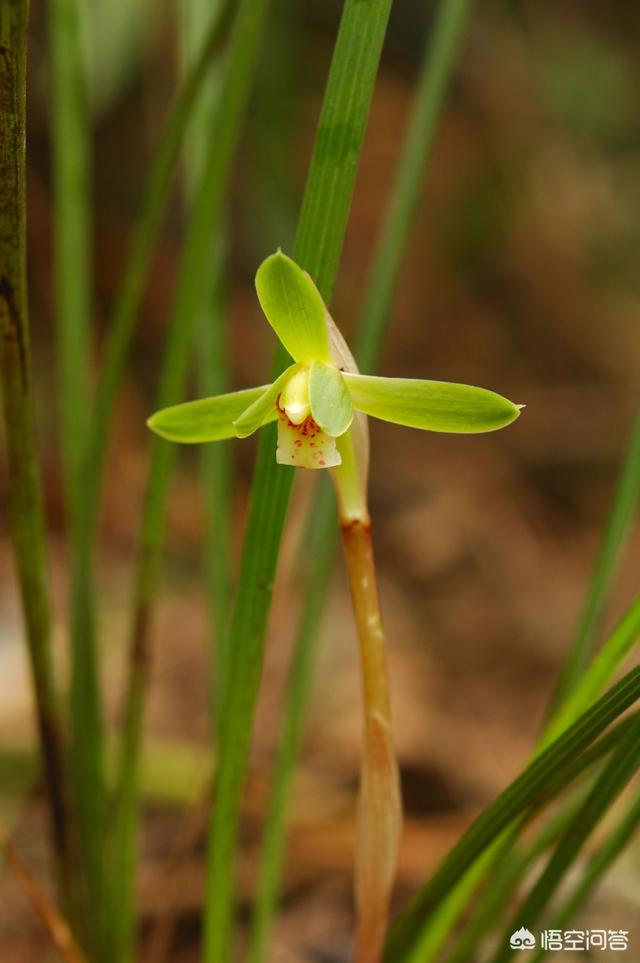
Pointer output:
213, 367
503, 862
25, 503
598, 675
598, 865
588, 688
506, 877
510, 805
236, 82
71, 158
506, 865
621, 513
619, 770
71, 161
121, 327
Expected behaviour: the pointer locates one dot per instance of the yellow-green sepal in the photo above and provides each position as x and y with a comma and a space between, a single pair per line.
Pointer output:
329, 398
431, 405
209, 419
294, 308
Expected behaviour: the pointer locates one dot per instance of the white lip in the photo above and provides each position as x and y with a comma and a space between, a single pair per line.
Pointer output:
305, 445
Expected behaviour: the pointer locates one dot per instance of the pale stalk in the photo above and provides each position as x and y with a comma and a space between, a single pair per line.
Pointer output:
379, 804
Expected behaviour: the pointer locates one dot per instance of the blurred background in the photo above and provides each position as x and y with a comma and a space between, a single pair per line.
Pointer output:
521, 275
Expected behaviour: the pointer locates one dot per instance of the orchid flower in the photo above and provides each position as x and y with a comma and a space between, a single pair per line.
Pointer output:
320, 403
315, 398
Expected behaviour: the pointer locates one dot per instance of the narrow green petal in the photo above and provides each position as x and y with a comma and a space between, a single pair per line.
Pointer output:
210, 419
294, 308
264, 409
330, 400
433, 405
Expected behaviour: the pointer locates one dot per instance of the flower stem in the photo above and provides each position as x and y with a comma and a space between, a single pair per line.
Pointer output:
379, 807
379, 804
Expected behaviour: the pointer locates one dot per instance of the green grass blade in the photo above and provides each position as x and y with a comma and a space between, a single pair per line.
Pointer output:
70, 137
506, 865
523, 794
322, 550
577, 700
217, 472
506, 877
598, 865
600, 672
121, 329
25, 501
240, 64
621, 767
621, 514
437, 68
502, 860
212, 373
125, 310
317, 249
591, 684
119, 338
433, 82
72, 242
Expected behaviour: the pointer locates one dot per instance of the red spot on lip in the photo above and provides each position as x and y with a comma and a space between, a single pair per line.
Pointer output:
322, 463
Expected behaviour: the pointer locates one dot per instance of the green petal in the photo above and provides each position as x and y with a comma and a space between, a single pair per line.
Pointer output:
294, 308
210, 419
330, 400
263, 409
433, 405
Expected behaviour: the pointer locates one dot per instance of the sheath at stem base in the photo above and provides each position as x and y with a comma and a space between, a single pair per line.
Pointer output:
379, 805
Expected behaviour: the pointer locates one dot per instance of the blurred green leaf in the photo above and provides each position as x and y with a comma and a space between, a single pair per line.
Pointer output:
521, 797
117, 37
588, 82
614, 538
600, 671
598, 865
622, 766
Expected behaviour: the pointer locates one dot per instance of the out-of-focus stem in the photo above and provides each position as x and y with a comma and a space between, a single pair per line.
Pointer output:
379, 804
56, 927
71, 161
25, 489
